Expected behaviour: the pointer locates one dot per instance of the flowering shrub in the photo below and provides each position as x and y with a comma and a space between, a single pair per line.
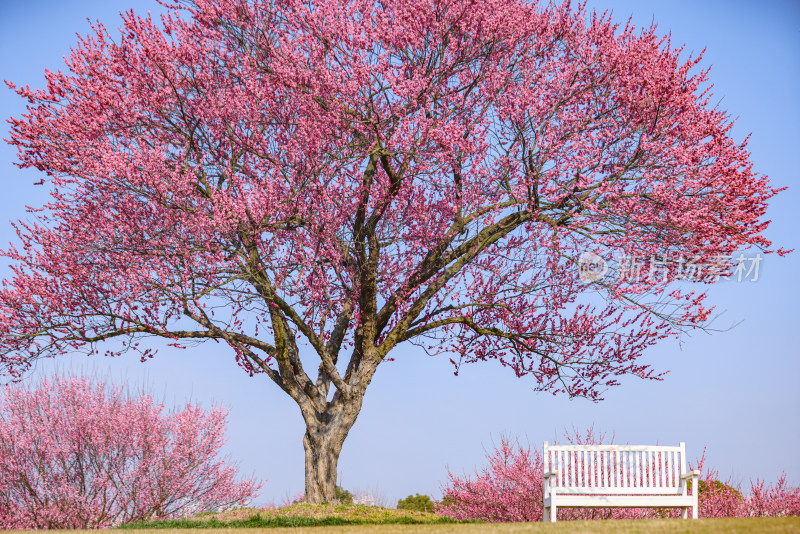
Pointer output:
773, 501
79, 454
509, 489
721, 499
717, 498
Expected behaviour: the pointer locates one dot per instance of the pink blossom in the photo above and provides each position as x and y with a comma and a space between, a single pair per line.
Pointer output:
76, 454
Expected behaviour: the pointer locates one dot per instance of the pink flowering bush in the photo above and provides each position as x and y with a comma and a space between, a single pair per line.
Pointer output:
79, 454
775, 500
723, 499
509, 489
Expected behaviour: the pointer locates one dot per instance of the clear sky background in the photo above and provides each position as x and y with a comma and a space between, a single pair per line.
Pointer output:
736, 392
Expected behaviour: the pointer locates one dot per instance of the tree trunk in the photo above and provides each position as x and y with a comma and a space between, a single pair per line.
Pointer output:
326, 429
322, 444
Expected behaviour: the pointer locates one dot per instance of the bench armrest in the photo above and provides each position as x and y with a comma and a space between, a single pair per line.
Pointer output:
549, 474
690, 474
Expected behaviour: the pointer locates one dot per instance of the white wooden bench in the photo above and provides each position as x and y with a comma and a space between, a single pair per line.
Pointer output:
617, 476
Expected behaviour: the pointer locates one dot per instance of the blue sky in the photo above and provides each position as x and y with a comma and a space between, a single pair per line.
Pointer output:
736, 392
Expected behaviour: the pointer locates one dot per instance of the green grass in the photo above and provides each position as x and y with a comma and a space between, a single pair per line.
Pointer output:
358, 519
298, 515
258, 521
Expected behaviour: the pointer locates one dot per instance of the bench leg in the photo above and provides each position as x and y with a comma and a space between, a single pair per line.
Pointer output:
545, 515
685, 513
553, 513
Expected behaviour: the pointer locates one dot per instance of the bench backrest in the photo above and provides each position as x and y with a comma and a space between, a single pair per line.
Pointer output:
615, 469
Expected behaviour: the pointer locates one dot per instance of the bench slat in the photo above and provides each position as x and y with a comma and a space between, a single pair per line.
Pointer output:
585, 461
637, 478
604, 468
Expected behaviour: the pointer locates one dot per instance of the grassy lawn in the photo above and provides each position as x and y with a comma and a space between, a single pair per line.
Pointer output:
304, 518
298, 515
307, 519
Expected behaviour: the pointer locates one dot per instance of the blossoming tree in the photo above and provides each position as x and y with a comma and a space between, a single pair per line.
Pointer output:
78, 454
314, 184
